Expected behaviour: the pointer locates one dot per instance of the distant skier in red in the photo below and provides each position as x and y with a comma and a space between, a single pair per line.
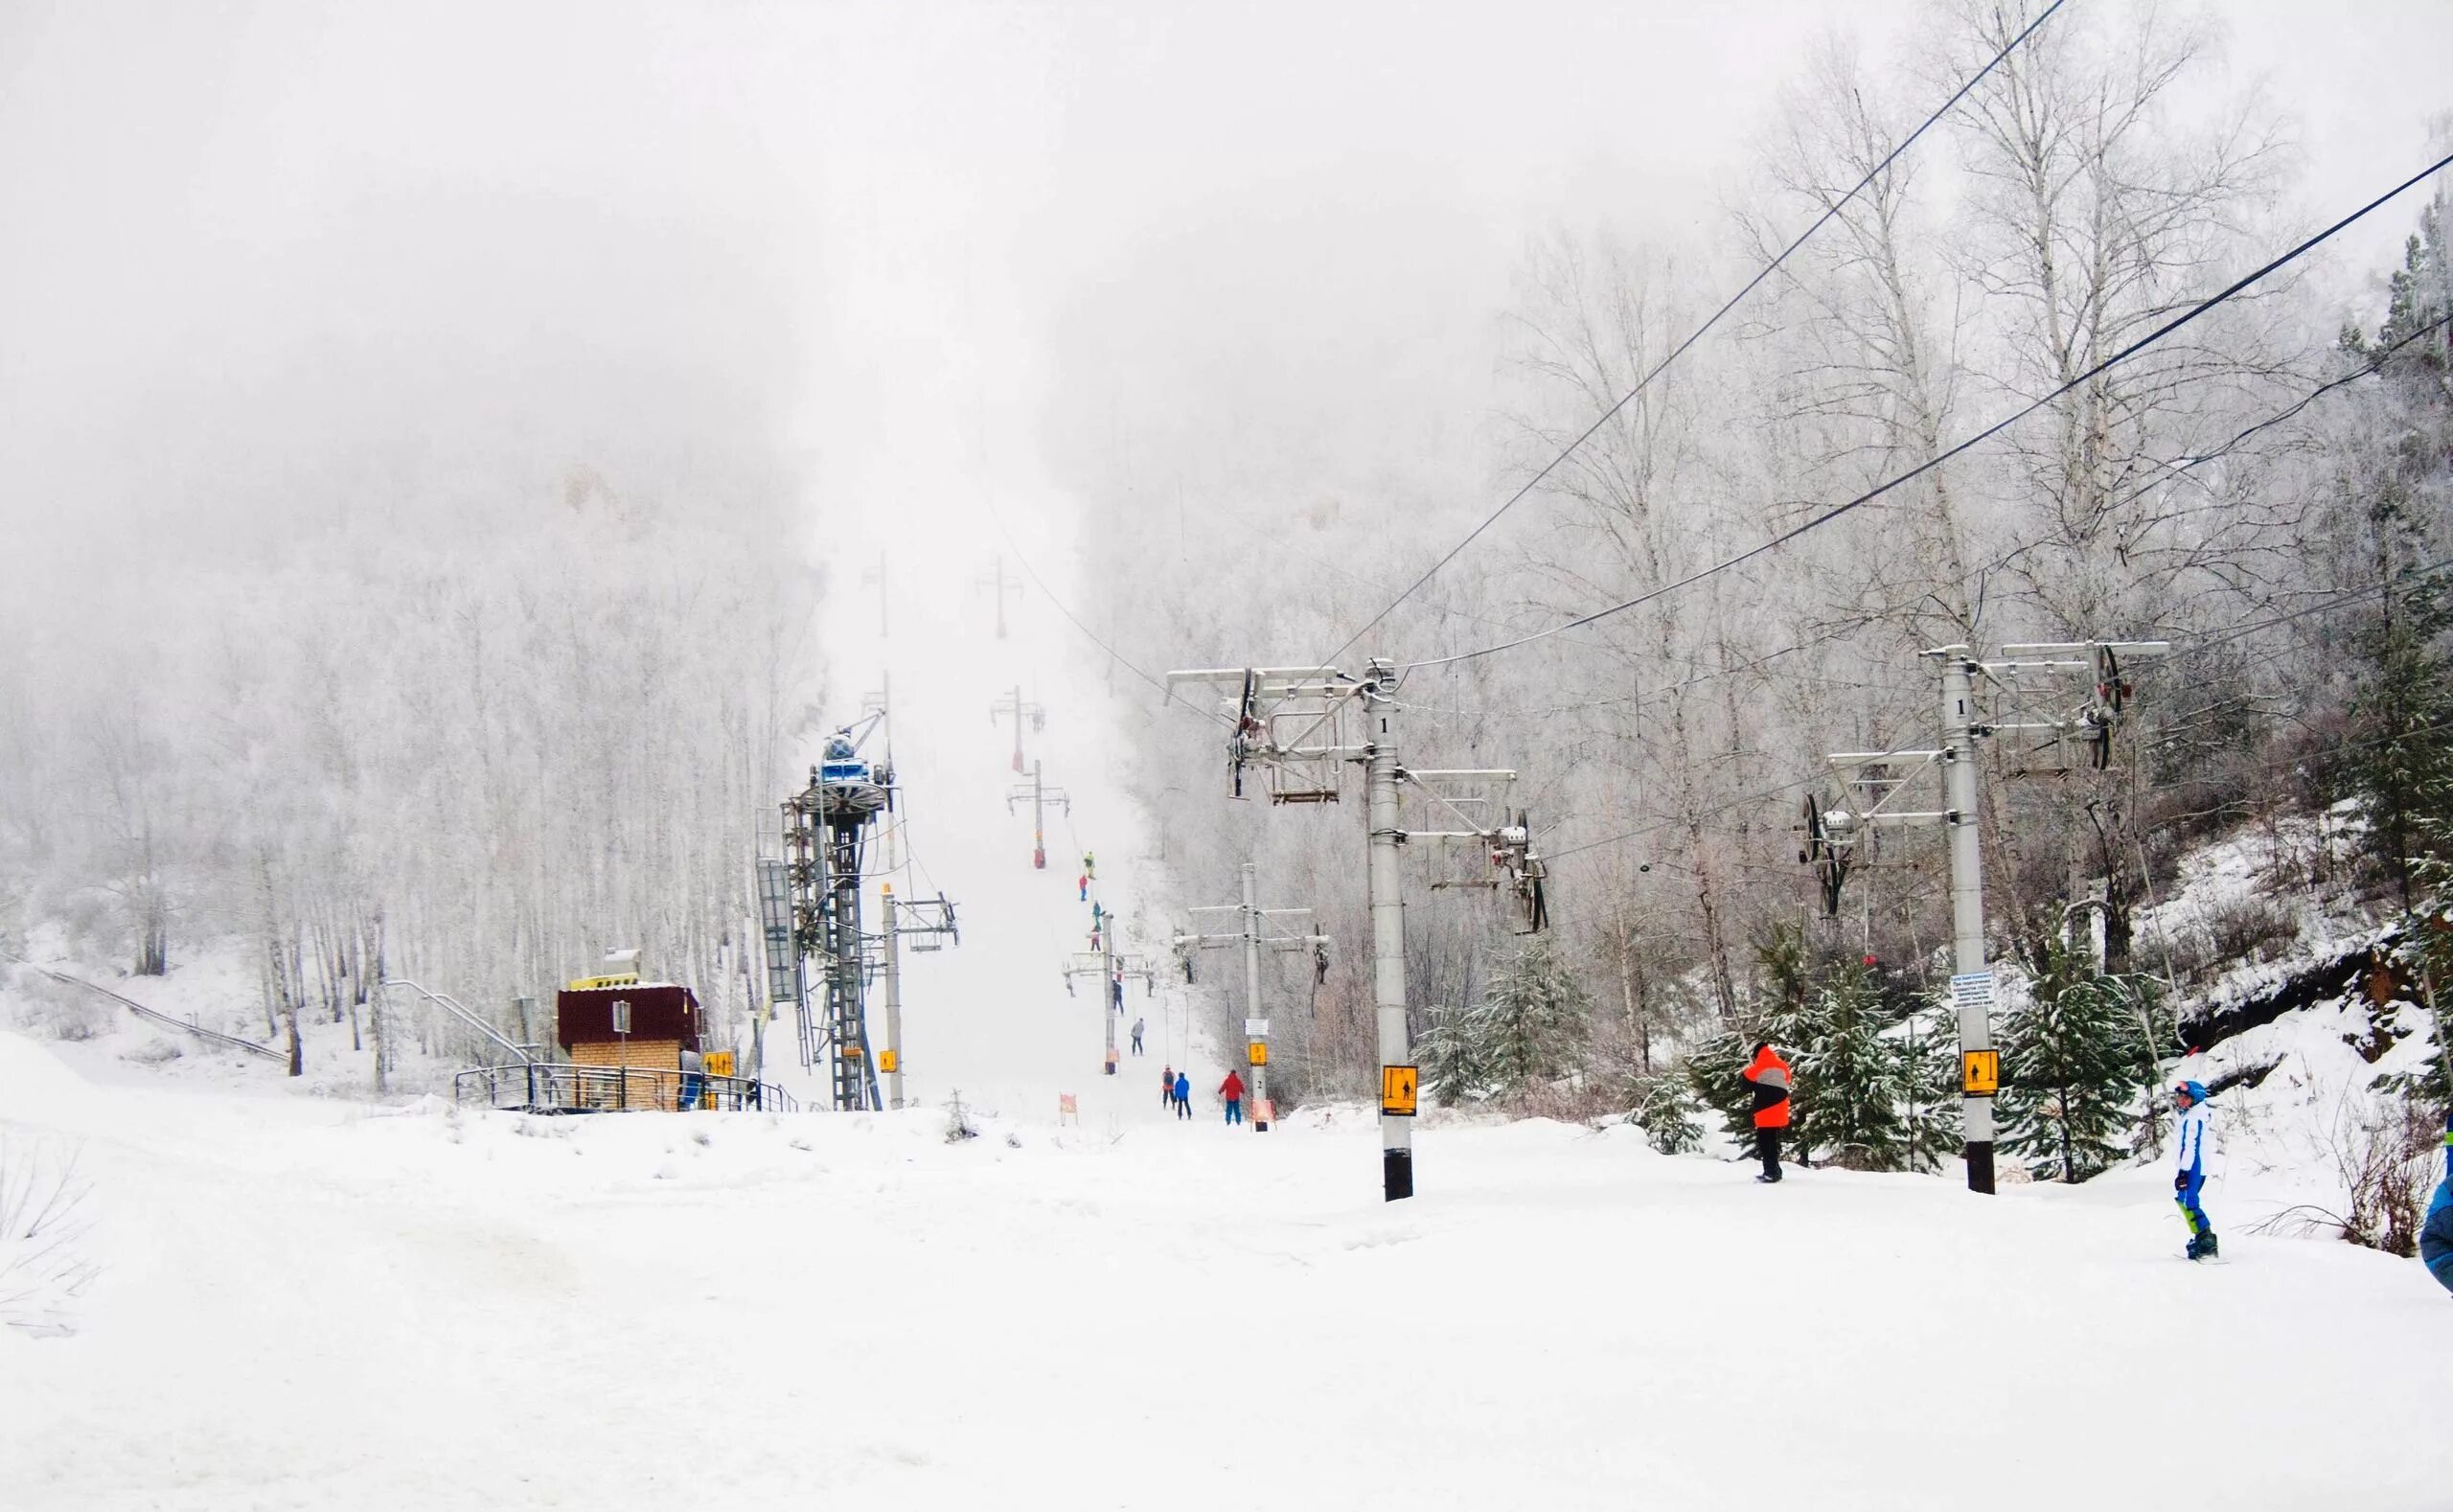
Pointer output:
1233, 1090
1770, 1075
1166, 1086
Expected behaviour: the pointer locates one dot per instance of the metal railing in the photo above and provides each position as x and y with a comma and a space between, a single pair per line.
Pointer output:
227, 1042
548, 1088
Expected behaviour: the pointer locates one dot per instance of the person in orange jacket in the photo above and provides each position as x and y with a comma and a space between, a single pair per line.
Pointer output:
1233, 1090
1770, 1075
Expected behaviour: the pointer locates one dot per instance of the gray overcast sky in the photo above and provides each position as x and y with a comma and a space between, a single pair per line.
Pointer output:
898, 234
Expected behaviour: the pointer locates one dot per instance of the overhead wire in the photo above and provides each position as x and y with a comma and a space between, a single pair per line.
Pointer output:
1075, 620
2172, 469
1835, 512
1830, 212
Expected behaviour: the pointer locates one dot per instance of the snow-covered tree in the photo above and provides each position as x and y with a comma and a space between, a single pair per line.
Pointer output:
1855, 1072
2075, 1054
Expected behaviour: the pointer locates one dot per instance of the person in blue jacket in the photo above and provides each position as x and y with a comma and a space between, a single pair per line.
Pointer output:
2436, 1236
1184, 1095
2189, 1179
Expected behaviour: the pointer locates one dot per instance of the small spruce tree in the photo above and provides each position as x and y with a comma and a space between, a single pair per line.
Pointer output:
1856, 1073
1534, 1020
2074, 1056
1453, 1065
1931, 1134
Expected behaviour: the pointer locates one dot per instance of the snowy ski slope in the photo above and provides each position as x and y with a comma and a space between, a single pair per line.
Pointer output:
314, 1303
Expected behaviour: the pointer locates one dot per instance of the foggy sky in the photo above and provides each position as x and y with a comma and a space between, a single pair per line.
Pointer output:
285, 263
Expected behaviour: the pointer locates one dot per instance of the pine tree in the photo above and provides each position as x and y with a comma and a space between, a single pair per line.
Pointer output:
1454, 1066
2398, 755
1534, 1019
1855, 1072
1666, 1111
2074, 1056
1712, 1072
1927, 1042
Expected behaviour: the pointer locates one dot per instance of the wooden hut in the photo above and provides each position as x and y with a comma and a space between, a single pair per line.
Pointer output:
615, 1022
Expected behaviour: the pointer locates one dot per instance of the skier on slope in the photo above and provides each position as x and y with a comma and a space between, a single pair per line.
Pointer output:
1233, 1090
1085, 885
1184, 1095
2189, 1133
1770, 1075
2436, 1236
1137, 1036
1166, 1084
1090, 866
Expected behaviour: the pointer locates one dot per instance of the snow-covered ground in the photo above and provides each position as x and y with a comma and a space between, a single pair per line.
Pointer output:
316, 1304
320, 1302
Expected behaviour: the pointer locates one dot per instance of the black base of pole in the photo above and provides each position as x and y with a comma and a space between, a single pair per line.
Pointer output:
1979, 1167
1397, 1174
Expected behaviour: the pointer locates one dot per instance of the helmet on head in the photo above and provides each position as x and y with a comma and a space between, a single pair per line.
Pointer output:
2194, 1091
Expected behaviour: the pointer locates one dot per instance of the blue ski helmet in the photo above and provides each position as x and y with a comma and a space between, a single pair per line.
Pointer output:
2197, 1090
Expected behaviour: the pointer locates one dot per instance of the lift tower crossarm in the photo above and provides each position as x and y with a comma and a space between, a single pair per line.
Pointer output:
924, 919
1013, 706
1041, 795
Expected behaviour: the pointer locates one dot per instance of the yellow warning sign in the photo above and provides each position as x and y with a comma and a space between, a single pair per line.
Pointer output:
1397, 1089
888, 1061
1980, 1072
720, 1062
1259, 1052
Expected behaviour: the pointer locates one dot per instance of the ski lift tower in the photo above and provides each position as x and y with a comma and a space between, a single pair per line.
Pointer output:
1303, 727
824, 830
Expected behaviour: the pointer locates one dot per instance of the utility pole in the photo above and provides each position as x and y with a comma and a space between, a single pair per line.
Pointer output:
1295, 722
1971, 978
1400, 1079
875, 577
1041, 797
1879, 777
1011, 706
930, 923
997, 580
1251, 927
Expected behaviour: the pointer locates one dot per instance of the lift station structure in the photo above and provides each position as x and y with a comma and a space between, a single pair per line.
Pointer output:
826, 829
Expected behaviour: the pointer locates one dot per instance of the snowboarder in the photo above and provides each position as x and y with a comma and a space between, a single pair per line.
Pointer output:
2189, 1178
2436, 1236
1233, 1090
1166, 1084
1770, 1075
1184, 1095
1086, 887
1137, 1036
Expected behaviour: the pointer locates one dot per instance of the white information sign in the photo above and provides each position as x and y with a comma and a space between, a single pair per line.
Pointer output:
1975, 989
1255, 1028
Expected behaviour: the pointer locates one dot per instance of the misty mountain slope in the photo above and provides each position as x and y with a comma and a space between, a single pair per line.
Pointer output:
992, 1018
308, 1304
